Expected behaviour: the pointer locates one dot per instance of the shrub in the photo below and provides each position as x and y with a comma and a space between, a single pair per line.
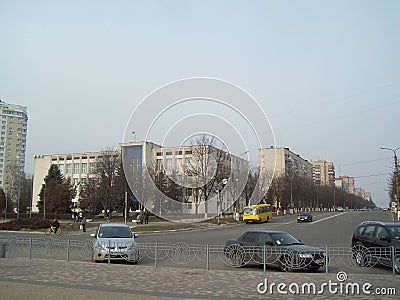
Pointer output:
18, 224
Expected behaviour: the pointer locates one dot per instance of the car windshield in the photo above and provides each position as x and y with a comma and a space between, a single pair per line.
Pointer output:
395, 231
285, 239
250, 211
115, 232
303, 214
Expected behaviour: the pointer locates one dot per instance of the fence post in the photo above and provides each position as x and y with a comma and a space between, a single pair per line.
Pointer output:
68, 245
393, 250
208, 257
155, 255
326, 259
109, 251
264, 258
30, 248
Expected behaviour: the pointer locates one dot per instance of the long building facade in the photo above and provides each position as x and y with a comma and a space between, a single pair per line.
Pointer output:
14, 123
75, 166
178, 162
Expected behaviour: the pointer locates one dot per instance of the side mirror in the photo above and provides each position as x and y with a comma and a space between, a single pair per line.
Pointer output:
269, 243
385, 238
92, 235
135, 235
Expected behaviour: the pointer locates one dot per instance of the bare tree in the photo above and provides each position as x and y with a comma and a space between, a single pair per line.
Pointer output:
207, 165
110, 181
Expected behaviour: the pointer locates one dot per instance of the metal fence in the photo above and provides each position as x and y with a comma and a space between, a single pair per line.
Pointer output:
204, 256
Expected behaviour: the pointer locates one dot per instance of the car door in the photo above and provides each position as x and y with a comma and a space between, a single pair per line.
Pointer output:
265, 239
381, 245
249, 242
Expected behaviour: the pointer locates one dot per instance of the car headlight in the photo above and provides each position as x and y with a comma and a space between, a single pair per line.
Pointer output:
305, 255
100, 246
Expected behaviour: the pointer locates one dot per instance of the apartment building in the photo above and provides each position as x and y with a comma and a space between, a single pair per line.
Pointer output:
14, 122
360, 192
282, 161
323, 172
346, 183
76, 166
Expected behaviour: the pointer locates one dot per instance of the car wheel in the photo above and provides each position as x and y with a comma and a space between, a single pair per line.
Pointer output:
285, 264
360, 255
235, 254
397, 266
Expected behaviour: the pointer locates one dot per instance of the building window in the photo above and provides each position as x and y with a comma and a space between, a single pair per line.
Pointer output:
84, 168
178, 164
61, 168
92, 167
159, 165
168, 153
168, 164
188, 162
68, 169
76, 168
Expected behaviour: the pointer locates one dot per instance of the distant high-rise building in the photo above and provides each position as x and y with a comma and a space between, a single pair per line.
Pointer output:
282, 161
323, 172
346, 183
14, 123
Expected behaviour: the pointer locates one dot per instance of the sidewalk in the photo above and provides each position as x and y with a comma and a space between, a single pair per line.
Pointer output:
22, 278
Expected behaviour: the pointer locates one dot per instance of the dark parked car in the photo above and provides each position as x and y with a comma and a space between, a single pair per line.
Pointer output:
372, 244
281, 249
304, 217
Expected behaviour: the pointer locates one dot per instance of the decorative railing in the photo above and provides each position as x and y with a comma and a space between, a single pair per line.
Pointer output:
205, 256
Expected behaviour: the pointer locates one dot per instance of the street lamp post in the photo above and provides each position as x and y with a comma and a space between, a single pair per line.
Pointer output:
44, 201
396, 175
223, 183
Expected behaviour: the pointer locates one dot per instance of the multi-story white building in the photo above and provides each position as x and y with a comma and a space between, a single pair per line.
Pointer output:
182, 164
138, 156
76, 166
14, 123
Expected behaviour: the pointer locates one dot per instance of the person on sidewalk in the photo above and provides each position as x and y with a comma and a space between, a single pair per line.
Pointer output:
83, 223
55, 225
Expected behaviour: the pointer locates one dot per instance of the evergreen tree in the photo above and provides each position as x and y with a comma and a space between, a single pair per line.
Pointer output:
56, 193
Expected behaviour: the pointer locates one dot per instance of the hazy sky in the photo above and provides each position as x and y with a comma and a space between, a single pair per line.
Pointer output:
327, 73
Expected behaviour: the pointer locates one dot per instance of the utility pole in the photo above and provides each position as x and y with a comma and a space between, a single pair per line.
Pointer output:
396, 177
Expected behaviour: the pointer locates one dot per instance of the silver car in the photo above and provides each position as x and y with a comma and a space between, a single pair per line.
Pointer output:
115, 242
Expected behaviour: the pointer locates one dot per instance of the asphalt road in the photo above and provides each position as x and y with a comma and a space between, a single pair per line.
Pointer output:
328, 228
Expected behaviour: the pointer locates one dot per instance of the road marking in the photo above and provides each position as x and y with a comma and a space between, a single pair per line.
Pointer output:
319, 220
327, 218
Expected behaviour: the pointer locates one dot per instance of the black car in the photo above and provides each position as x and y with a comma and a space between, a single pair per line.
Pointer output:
281, 249
373, 243
304, 217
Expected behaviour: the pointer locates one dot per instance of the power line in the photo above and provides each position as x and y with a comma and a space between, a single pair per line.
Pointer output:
373, 175
365, 161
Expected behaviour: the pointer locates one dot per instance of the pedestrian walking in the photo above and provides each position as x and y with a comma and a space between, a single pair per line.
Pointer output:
146, 217
108, 217
83, 223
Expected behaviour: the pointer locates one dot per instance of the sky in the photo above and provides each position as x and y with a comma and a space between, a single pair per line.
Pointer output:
326, 73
